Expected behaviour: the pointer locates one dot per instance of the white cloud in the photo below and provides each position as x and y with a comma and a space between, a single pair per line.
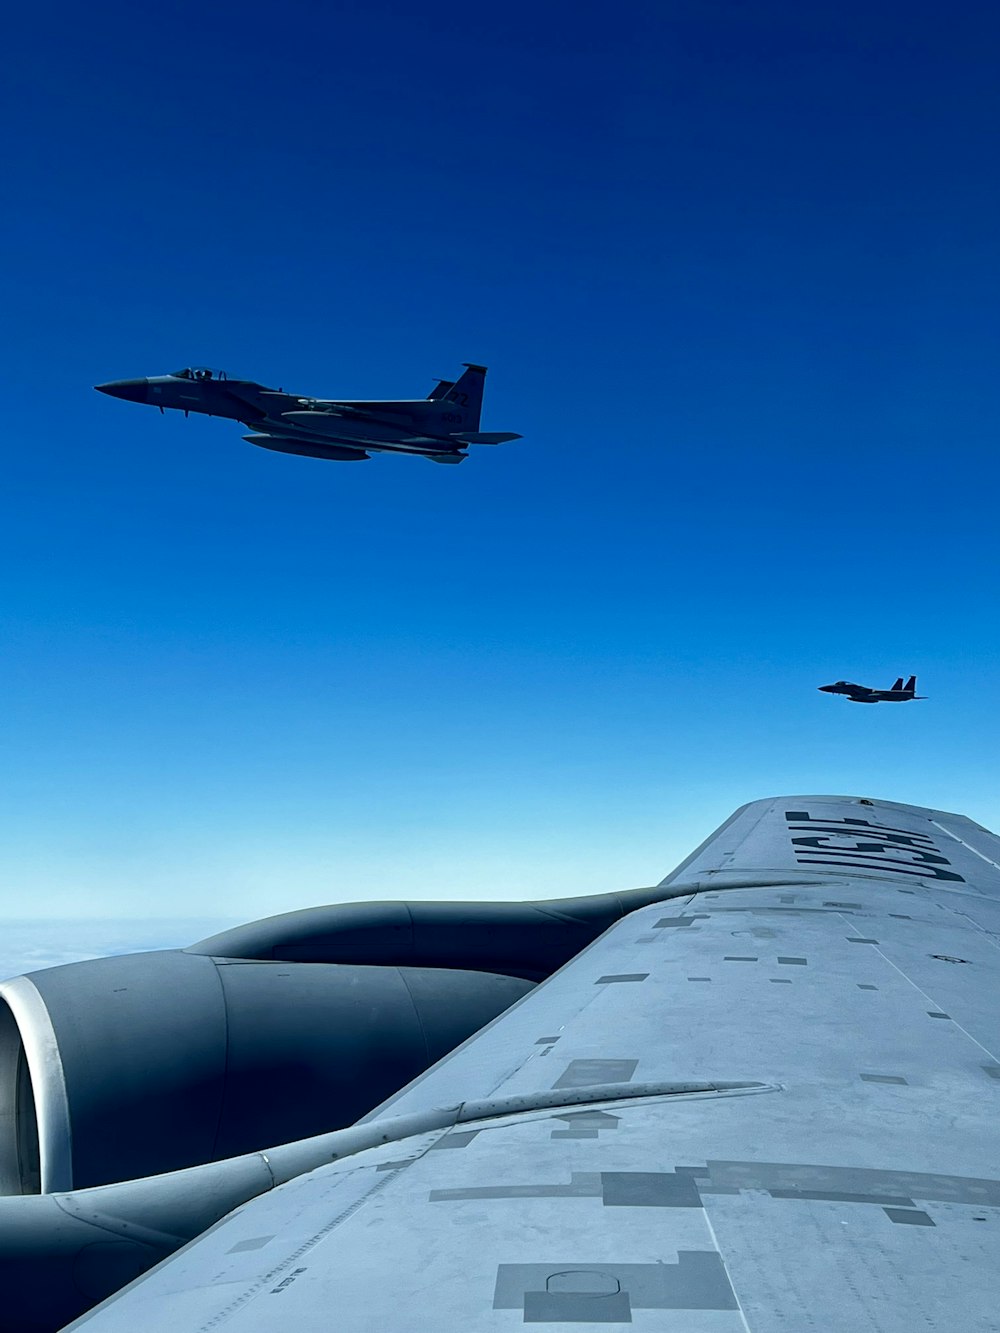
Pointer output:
28, 946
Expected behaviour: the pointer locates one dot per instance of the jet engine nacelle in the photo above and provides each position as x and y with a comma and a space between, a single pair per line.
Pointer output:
132, 1066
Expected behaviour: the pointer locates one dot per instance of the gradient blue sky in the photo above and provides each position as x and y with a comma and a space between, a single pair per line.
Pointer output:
734, 268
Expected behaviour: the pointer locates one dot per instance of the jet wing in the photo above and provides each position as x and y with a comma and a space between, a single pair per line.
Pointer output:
769, 1104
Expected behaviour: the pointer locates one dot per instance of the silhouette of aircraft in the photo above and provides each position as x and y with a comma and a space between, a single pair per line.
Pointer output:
863, 694
439, 427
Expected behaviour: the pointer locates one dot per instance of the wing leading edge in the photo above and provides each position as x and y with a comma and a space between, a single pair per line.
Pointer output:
768, 1103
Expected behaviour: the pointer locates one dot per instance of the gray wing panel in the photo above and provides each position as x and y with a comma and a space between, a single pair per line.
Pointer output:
799, 836
856, 1186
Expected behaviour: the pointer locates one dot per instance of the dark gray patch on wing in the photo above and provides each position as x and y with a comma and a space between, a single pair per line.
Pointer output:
556, 1307
697, 1281
649, 1189
842, 1196
615, 1189
679, 922
913, 1217
798, 1178
251, 1243
460, 1140
592, 1119
583, 1073
582, 1185
759, 910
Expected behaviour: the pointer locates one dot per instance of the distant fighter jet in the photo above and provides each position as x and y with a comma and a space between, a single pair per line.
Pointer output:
438, 427
861, 694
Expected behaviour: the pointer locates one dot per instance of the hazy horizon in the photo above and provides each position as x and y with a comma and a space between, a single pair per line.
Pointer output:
28, 945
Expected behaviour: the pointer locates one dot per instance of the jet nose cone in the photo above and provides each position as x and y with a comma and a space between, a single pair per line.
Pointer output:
134, 391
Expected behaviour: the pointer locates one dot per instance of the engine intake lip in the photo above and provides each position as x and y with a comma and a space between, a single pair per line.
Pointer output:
35, 1135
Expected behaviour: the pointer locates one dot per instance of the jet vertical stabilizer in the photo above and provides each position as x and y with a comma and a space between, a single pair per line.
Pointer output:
466, 396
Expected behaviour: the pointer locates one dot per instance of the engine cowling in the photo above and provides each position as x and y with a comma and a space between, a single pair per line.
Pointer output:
131, 1066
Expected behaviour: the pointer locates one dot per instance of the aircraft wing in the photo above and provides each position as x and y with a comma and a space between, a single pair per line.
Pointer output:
769, 1104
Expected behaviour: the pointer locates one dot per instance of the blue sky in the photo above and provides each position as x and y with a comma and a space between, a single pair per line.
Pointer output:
734, 269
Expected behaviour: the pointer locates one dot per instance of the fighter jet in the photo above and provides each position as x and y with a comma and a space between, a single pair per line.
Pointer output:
862, 694
439, 427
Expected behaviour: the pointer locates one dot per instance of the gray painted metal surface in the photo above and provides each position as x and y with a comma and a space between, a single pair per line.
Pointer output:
528, 940
149, 1063
439, 427
856, 1186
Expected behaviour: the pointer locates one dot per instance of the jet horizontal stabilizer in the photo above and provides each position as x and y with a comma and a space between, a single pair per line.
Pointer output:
487, 437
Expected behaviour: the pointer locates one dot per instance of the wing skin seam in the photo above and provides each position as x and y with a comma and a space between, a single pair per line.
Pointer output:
968, 846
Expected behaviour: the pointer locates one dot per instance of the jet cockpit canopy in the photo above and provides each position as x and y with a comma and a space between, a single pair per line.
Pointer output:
198, 373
